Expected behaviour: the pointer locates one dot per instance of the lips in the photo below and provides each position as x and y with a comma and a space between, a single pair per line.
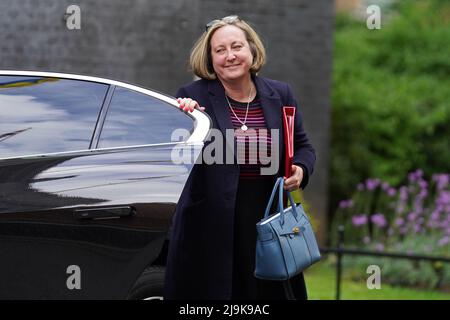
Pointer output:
234, 65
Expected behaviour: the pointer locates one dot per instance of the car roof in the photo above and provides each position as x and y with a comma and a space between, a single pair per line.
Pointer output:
202, 120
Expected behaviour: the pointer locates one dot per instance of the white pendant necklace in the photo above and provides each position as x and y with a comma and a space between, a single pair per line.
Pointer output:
243, 127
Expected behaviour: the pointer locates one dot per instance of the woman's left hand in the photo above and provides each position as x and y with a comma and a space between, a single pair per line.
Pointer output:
293, 182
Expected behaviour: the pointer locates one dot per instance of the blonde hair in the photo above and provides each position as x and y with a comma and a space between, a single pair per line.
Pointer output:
201, 60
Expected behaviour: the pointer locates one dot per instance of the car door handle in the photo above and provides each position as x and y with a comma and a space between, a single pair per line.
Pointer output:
104, 213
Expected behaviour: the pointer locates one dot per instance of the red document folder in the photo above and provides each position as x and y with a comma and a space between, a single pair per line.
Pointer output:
288, 128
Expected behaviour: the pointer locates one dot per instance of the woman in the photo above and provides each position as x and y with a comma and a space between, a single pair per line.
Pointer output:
212, 246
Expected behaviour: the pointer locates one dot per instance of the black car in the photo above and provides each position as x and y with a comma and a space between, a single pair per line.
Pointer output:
88, 185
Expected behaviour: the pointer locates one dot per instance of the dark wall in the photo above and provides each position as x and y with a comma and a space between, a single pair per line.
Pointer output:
147, 42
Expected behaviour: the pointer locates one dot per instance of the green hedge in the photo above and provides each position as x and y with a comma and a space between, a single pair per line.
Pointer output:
391, 96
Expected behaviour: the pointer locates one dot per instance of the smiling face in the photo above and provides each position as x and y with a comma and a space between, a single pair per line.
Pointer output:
231, 54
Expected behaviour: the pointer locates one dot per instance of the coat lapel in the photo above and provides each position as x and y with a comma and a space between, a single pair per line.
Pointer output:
219, 105
222, 113
272, 108
271, 103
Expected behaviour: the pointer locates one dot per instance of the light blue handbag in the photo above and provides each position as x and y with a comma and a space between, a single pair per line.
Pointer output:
286, 244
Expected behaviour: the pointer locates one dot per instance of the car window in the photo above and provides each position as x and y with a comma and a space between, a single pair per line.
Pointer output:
43, 115
135, 118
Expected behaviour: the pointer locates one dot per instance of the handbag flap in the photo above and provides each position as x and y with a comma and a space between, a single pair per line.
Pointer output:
291, 224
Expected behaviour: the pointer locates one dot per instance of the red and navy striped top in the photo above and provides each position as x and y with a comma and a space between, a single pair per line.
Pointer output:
253, 145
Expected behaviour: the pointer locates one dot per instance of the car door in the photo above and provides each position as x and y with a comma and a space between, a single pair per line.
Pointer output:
88, 184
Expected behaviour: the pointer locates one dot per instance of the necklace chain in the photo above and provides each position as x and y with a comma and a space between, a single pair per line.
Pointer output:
243, 127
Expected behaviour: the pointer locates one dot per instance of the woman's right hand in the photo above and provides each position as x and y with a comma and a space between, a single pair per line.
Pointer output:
188, 105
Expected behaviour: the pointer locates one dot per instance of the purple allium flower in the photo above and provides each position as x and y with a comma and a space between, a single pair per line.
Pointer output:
443, 198
400, 208
372, 184
423, 193
444, 224
346, 204
436, 213
379, 220
417, 228
418, 208
399, 222
359, 220
379, 247
433, 222
403, 193
418, 173
391, 192
445, 240
423, 184
442, 180
412, 177
385, 186
412, 216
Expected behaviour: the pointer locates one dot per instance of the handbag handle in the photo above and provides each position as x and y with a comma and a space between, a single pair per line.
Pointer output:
279, 184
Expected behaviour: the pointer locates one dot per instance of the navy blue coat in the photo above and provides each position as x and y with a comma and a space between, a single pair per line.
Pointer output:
200, 258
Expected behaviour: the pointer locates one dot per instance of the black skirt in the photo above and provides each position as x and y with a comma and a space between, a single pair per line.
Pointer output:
251, 202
